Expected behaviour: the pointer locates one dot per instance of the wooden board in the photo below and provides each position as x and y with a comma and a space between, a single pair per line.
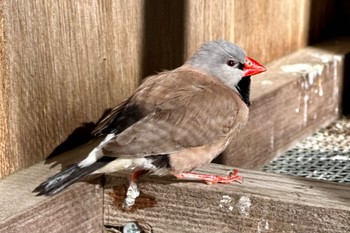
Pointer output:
78, 209
298, 94
64, 66
5, 164
263, 203
63, 63
266, 30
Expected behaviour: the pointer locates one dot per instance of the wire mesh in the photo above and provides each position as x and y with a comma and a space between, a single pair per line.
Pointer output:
325, 155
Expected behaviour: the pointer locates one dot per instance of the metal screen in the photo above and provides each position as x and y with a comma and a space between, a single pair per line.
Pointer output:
324, 155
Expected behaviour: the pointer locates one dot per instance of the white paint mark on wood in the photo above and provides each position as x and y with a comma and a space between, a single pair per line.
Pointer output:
327, 59
306, 104
226, 201
244, 204
267, 227
266, 82
336, 61
263, 228
309, 71
296, 68
272, 139
297, 109
320, 88
312, 79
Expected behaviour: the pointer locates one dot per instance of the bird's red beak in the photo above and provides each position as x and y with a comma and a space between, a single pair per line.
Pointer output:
252, 67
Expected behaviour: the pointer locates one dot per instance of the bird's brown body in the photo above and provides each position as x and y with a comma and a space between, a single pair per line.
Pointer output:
174, 122
184, 113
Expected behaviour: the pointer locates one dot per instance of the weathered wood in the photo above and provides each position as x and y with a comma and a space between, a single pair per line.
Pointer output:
67, 61
263, 203
269, 202
5, 164
298, 94
258, 27
64, 62
265, 29
78, 209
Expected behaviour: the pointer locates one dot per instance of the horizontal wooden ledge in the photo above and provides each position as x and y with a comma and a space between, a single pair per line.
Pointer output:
265, 201
79, 209
271, 202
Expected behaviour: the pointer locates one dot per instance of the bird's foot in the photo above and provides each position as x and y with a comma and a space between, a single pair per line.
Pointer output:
212, 179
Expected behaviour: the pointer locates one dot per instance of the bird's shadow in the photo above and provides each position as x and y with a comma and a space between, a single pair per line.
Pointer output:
72, 145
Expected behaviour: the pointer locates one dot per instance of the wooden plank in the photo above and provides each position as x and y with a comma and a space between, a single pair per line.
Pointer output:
269, 202
298, 94
78, 209
5, 165
65, 66
267, 30
258, 27
163, 35
263, 203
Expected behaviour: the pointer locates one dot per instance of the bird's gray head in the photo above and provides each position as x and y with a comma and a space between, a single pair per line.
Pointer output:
221, 59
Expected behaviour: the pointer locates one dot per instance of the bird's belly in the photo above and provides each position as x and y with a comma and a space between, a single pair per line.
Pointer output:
188, 159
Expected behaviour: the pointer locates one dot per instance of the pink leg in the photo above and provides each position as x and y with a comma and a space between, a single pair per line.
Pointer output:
136, 174
212, 179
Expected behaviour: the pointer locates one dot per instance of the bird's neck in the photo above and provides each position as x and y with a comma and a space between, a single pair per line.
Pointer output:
243, 88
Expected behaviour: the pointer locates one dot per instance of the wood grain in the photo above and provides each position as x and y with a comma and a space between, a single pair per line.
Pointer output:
66, 66
266, 30
5, 163
258, 27
78, 209
208, 20
290, 105
163, 35
269, 202
263, 203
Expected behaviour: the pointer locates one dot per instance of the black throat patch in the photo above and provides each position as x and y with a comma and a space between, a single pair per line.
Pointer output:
243, 88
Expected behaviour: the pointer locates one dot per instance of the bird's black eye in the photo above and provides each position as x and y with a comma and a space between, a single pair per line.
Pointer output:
231, 63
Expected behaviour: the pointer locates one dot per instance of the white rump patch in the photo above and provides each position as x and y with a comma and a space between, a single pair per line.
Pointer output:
96, 153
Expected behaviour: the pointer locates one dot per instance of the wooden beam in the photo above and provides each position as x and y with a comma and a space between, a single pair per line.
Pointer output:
269, 202
4, 100
297, 95
67, 61
78, 209
265, 202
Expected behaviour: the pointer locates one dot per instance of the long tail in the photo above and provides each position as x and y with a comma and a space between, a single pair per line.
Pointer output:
70, 175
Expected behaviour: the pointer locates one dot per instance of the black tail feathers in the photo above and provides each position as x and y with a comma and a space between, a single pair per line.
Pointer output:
70, 175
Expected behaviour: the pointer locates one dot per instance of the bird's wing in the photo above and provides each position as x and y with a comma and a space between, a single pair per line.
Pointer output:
189, 109
105, 126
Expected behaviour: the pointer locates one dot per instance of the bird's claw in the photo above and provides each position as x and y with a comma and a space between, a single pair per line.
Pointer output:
212, 179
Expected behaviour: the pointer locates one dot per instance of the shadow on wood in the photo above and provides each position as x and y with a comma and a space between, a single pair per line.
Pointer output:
163, 36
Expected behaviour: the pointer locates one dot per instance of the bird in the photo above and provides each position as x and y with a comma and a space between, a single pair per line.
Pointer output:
173, 123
